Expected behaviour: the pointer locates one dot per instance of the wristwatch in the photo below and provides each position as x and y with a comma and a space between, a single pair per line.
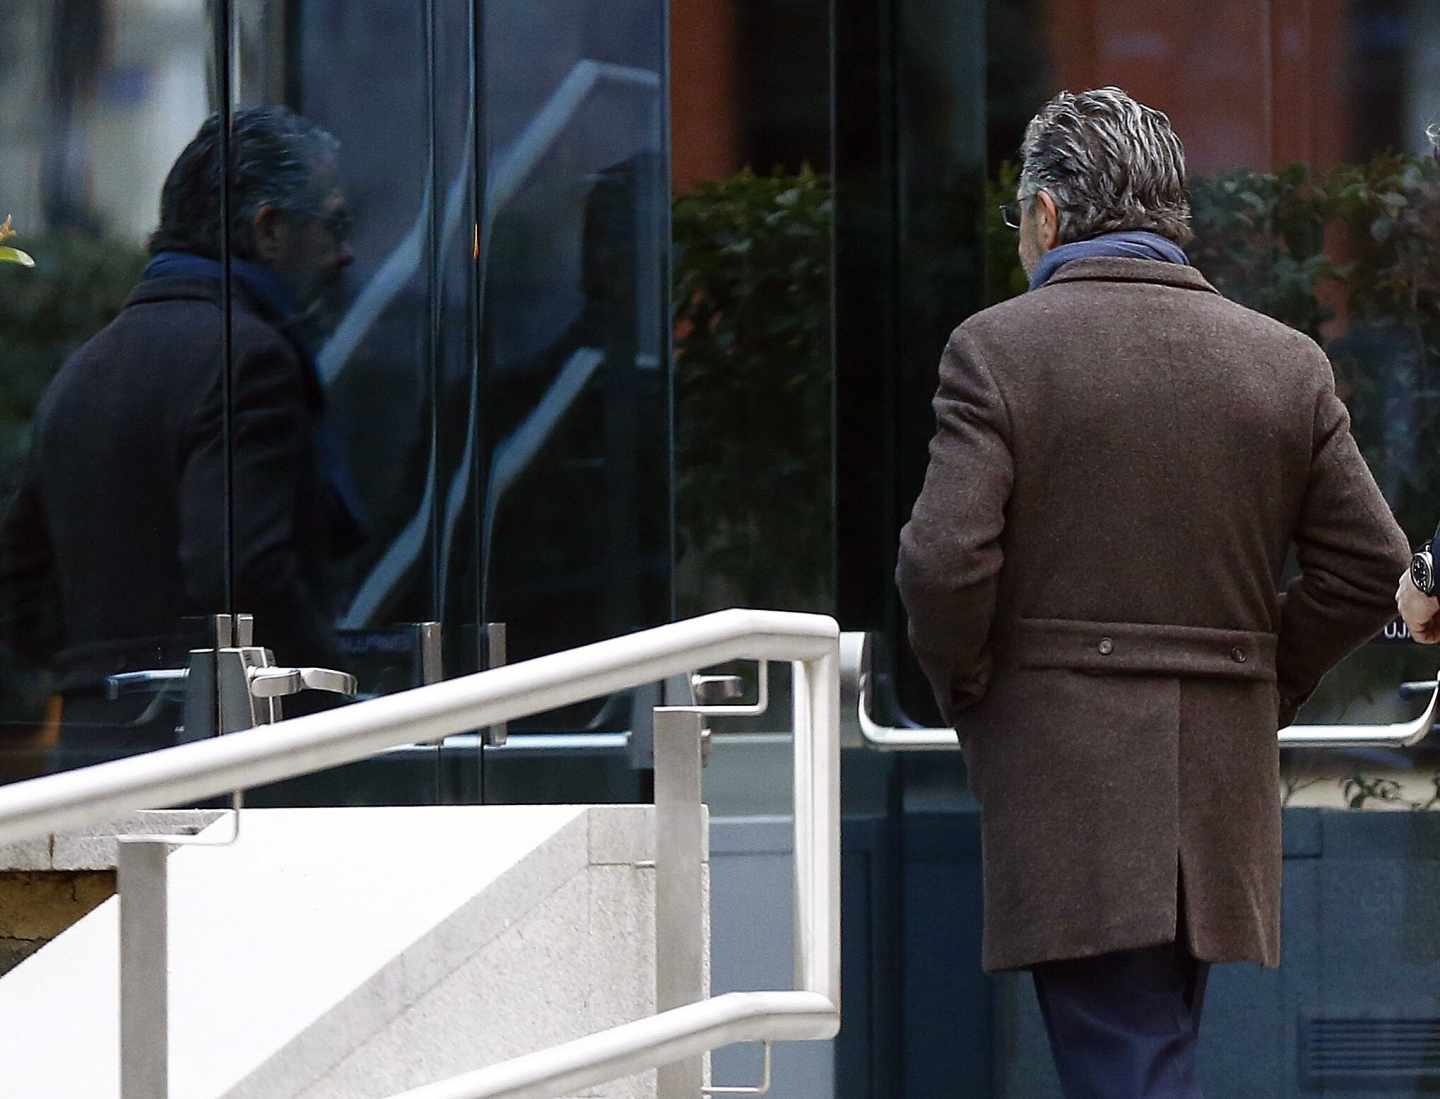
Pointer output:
1422, 571
1422, 566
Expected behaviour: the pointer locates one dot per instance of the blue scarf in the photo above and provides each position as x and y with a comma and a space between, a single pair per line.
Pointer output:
1130, 244
263, 284
272, 293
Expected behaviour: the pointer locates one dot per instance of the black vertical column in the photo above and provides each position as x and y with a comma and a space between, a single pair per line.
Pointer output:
909, 169
866, 300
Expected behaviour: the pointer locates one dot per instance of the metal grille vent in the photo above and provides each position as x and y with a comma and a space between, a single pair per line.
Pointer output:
1370, 1050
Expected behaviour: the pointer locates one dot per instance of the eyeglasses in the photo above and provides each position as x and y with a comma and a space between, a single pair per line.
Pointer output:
1010, 214
340, 223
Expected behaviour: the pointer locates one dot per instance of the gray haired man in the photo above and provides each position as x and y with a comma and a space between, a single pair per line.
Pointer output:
1122, 461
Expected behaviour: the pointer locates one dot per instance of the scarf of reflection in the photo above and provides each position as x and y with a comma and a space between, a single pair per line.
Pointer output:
1128, 244
273, 295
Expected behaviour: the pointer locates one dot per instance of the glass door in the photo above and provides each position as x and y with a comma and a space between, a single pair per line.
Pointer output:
493, 359
390, 334
112, 419
1314, 192
394, 395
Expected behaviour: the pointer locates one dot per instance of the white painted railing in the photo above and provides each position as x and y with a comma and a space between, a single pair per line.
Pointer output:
303, 745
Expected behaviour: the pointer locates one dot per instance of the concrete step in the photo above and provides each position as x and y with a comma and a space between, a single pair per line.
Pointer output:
358, 952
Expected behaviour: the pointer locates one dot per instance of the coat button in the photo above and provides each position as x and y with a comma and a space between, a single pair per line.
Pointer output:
1106, 646
1237, 654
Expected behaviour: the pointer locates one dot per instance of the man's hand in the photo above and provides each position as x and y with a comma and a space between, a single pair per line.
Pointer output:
1420, 611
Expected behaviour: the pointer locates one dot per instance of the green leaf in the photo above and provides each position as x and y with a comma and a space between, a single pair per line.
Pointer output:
14, 255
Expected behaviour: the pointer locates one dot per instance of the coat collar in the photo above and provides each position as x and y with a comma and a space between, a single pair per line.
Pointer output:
201, 289
188, 288
1118, 269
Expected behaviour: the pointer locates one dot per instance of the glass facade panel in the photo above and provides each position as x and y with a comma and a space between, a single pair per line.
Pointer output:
109, 505
1313, 189
385, 335
1301, 211
753, 221
434, 396
753, 230
574, 528
498, 369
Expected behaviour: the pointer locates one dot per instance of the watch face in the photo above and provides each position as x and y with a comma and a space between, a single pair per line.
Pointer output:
1422, 573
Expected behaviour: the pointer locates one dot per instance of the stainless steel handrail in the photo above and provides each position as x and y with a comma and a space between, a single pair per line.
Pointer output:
302, 745
855, 675
719, 1021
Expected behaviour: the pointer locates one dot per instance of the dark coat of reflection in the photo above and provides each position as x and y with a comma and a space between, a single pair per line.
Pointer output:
115, 547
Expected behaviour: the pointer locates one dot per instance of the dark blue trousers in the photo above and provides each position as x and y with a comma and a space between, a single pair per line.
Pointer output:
1125, 1025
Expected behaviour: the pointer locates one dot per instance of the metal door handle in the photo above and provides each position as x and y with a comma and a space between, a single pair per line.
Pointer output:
277, 682
855, 675
127, 683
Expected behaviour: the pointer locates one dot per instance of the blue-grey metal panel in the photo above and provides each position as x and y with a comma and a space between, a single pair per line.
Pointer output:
751, 929
1361, 960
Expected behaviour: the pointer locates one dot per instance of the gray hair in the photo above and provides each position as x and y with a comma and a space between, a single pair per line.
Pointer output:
275, 156
1110, 163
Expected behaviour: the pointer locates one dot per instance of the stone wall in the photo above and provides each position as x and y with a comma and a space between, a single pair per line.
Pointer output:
47, 884
36, 905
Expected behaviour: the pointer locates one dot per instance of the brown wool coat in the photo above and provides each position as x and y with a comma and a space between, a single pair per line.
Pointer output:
1121, 461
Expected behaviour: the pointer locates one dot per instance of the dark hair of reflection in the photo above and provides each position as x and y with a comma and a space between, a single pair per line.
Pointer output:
275, 155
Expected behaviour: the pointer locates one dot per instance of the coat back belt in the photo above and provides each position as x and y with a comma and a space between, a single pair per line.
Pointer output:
1135, 648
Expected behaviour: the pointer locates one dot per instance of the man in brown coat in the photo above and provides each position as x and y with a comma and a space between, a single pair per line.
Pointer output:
1122, 460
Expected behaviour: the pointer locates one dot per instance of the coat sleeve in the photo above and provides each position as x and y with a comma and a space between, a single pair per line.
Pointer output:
950, 554
29, 591
1351, 552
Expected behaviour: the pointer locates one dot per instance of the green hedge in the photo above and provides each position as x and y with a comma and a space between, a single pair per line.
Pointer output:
753, 392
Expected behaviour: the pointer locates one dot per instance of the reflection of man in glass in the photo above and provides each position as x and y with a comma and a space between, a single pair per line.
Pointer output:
122, 527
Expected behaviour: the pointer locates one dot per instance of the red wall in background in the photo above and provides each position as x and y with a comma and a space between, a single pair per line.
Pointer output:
1253, 83
704, 92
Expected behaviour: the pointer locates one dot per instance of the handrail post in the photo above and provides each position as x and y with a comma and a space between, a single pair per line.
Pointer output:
143, 885
679, 886
815, 701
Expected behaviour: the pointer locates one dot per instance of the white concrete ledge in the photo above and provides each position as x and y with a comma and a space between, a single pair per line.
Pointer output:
93, 847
